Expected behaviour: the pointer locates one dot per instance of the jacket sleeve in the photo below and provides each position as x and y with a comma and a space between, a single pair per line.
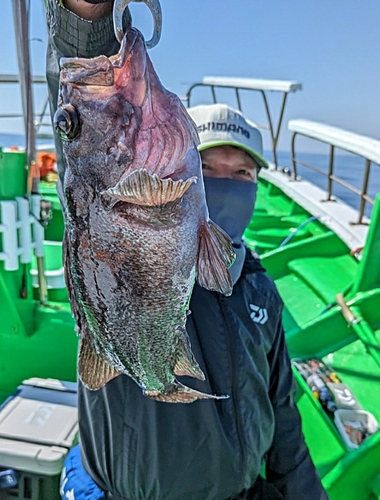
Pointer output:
289, 466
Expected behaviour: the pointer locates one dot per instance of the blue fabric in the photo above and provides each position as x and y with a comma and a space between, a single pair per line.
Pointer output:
76, 484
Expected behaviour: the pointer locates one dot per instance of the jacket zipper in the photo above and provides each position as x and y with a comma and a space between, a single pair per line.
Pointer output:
235, 394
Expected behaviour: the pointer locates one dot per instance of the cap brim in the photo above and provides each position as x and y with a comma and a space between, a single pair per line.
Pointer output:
258, 158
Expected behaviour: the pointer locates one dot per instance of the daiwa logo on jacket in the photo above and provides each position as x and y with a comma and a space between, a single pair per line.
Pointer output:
258, 314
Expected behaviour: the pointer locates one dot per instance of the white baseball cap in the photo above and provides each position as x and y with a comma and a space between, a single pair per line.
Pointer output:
220, 125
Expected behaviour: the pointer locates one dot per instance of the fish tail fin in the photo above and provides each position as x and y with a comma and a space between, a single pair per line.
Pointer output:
216, 255
180, 393
142, 188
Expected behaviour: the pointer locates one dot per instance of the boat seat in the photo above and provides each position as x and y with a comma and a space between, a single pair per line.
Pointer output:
313, 281
316, 272
268, 232
350, 276
302, 304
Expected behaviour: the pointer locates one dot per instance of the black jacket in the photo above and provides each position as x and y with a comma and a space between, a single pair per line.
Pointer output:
208, 450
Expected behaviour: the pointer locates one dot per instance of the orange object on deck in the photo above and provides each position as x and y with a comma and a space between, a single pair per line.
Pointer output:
47, 163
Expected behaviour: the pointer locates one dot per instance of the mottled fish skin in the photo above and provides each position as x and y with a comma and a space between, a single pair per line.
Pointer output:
137, 230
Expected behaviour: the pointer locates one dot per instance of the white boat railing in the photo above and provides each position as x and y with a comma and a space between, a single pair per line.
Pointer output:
365, 147
20, 232
256, 85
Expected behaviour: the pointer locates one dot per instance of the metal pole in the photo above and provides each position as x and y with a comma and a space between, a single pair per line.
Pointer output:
274, 152
330, 173
21, 23
293, 156
364, 190
280, 118
213, 94
238, 99
20, 16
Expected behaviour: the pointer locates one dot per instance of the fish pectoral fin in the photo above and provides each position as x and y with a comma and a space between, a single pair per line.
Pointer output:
179, 393
215, 256
186, 363
142, 188
93, 371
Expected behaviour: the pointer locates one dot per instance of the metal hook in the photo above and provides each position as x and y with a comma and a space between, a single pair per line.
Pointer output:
155, 8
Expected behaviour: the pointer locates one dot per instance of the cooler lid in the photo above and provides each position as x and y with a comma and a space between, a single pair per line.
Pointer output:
35, 458
51, 383
39, 422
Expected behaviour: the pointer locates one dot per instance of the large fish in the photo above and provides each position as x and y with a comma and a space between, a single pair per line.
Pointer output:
137, 228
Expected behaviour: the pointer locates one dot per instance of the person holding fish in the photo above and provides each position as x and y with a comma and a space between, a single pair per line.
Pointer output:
185, 388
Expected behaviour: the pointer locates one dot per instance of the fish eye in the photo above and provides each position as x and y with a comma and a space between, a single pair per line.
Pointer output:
66, 122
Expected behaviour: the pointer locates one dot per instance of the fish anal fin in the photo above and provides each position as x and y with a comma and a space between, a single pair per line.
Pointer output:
93, 371
179, 393
186, 363
215, 256
142, 188
184, 367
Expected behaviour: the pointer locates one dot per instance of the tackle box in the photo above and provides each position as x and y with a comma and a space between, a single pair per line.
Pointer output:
38, 426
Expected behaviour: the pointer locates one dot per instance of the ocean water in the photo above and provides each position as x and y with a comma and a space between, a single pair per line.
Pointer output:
9, 140
350, 167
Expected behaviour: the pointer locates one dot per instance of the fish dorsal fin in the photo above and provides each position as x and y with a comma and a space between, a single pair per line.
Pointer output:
142, 188
93, 371
216, 255
186, 363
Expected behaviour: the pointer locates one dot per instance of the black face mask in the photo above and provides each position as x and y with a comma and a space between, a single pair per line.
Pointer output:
231, 204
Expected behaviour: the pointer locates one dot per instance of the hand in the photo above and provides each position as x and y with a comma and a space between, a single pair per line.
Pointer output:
92, 10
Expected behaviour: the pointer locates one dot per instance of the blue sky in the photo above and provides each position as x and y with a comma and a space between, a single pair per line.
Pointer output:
330, 46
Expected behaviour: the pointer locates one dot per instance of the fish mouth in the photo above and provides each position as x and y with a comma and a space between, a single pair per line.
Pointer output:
129, 62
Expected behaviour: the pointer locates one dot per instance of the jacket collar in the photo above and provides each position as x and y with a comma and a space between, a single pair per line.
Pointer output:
252, 264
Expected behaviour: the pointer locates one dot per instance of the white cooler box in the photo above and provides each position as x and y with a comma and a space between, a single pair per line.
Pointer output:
38, 426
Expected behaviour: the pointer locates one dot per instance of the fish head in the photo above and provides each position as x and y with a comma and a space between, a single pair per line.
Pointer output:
115, 117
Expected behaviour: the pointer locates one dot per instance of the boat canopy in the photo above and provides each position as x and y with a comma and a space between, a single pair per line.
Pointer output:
253, 84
